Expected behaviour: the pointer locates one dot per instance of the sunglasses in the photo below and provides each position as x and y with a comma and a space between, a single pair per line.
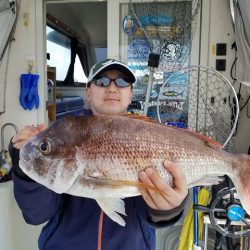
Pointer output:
105, 82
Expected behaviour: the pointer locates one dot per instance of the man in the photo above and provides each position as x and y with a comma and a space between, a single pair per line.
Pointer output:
75, 222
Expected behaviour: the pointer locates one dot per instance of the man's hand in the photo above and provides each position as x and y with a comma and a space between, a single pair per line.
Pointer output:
25, 134
169, 197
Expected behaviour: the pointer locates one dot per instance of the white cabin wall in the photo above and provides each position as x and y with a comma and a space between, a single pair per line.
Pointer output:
217, 27
221, 31
24, 48
242, 141
113, 29
14, 232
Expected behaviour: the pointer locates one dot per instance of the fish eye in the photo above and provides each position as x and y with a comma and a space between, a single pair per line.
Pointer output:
45, 147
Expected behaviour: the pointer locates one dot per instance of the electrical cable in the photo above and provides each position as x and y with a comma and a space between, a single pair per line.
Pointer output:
233, 104
231, 71
5, 79
245, 103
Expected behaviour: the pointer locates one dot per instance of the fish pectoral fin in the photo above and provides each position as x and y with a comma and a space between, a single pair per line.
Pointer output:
111, 207
207, 181
121, 183
63, 179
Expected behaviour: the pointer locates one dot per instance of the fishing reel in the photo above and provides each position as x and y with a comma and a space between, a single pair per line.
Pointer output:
227, 215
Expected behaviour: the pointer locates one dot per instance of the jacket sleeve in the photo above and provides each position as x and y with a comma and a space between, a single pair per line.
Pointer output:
159, 218
38, 203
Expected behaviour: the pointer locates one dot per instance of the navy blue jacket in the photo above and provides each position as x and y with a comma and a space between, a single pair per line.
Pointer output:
73, 222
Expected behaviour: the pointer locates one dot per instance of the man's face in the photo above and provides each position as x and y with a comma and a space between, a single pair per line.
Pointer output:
111, 99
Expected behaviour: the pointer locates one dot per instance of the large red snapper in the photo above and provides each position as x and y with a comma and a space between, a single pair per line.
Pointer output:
100, 157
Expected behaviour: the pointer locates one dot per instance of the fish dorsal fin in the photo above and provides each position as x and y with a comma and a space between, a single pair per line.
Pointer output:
208, 140
141, 118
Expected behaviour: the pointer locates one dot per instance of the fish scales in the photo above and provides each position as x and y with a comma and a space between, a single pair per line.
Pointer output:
106, 153
150, 144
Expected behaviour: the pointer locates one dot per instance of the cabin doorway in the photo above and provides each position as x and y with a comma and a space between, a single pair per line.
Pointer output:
76, 38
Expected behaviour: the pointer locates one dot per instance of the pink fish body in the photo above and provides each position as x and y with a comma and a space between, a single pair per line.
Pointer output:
100, 157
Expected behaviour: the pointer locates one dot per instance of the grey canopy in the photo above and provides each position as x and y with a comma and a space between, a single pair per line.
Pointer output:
8, 18
7, 21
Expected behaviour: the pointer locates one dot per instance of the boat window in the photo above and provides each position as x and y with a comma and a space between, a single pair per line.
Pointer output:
59, 50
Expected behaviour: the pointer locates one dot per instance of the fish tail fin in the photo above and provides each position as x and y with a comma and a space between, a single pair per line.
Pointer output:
241, 180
